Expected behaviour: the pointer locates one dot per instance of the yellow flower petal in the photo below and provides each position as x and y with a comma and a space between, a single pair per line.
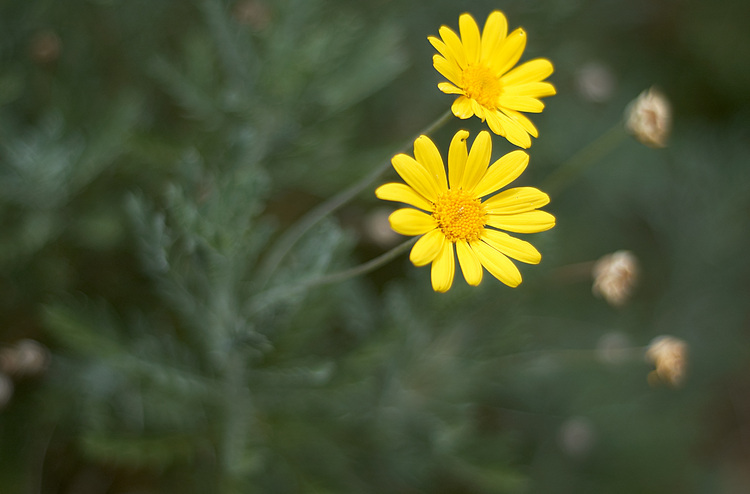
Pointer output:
403, 193
511, 129
479, 158
533, 89
471, 267
416, 176
515, 132
477, 109
494, 32
494, 123
427, 154
449, 70
497, 264
512, 246
531, 71
531, 222
453, 43
502, 172
462, 107
521, 103
409, 221
443, 269
520, 119
516, 200
449, 88
439, 46
427, 248
457, 155
470, 37
509, 52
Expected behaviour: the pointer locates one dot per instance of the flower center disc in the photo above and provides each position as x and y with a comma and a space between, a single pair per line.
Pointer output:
459, 215
481, 85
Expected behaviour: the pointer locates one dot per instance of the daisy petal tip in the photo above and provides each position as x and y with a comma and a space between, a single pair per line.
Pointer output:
522, 141
520, 155
466, 17
496, 14
398, 157
442, 283
379, 192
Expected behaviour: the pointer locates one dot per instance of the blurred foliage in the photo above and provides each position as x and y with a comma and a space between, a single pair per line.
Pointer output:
154, 152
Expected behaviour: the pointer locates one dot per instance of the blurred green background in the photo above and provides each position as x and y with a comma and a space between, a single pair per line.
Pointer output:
153, 152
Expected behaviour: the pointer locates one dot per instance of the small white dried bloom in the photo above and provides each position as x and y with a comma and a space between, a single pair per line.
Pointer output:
253, 13
595, 82
649, 118
26, 358
613, 348
577, 437
670, 357
615, 276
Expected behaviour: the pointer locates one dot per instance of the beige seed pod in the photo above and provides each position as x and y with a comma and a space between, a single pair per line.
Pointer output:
24, 359
649, 118
670, 357
615, 276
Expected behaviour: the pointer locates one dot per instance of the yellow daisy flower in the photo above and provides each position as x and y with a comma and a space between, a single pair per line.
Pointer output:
450, 214
479, 70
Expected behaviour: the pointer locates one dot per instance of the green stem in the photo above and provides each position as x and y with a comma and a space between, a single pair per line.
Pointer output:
571, 355
583, 159
365, 268
273, 295
290, 237
237, 413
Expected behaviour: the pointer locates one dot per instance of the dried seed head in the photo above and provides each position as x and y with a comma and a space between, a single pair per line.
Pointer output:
577, 437
649, 118
596, 82
615, 276
253, 13
26, 358
670, 357
45, 47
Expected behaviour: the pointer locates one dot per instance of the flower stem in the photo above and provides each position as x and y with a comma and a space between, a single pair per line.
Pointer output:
365, 268
238, 413
580, 355
283, 245
583, 159
273, 295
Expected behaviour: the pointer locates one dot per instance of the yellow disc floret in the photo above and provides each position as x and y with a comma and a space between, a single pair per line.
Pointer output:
459, 215
481, 85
